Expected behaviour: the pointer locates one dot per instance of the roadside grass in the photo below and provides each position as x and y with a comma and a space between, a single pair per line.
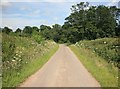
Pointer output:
105, 73
107, 48
23, 56
15, 79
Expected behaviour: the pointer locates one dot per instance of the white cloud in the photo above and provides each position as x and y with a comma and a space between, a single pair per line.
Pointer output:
12, 15
20, 1
56, 18
7, 1
15, 20
53, 0
14, 23
4, 4
36, 12
24, 8
113, 2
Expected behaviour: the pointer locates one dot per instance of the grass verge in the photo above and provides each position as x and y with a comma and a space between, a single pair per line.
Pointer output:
105, 74
30, 68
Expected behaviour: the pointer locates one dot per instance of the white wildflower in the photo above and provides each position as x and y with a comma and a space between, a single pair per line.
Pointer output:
19, 55
20, 52
13, 60
14, 57
16, 54
20, 59
105, 42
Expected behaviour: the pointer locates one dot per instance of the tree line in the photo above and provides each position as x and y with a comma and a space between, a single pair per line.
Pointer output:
84, 23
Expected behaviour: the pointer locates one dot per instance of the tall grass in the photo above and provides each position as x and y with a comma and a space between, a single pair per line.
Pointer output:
108, 48
105, 72
0, 60
22, 56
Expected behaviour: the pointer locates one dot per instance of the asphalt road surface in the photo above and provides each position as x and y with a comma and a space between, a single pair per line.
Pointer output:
62, 70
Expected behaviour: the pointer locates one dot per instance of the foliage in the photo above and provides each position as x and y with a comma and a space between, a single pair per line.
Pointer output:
38, 38
105, 73
19, 53
108, 48
6, 30
8, 47
84, 22
92, 22
18, 30
28, 30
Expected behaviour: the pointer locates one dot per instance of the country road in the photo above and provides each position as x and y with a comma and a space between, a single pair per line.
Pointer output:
62, 70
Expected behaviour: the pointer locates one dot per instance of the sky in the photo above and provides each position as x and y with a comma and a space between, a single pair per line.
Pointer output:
20, 13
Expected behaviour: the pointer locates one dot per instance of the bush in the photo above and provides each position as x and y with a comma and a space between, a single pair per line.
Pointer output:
108, 48
38, 38
8, 47
19, 53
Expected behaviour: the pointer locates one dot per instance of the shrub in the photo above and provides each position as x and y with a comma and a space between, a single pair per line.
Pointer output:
108, 48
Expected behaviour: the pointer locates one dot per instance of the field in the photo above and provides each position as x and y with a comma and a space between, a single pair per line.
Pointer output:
22, 56
101, 58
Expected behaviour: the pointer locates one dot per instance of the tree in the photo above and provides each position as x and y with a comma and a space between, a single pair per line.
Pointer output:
118, 16
43, 27
91, 15
90, 32
56, 32
45, 31
6, 30
34, 28
91, 22
106, 21
28, 30
56, 26
18, 30
117, 31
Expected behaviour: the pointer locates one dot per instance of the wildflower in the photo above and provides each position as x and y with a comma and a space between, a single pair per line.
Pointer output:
20, 52
45, 44
7, 61
22, 48
105, 42
76, 43
13, 60
20, 59
16, 54
32, 43
53, 42
19, 55
14, 57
